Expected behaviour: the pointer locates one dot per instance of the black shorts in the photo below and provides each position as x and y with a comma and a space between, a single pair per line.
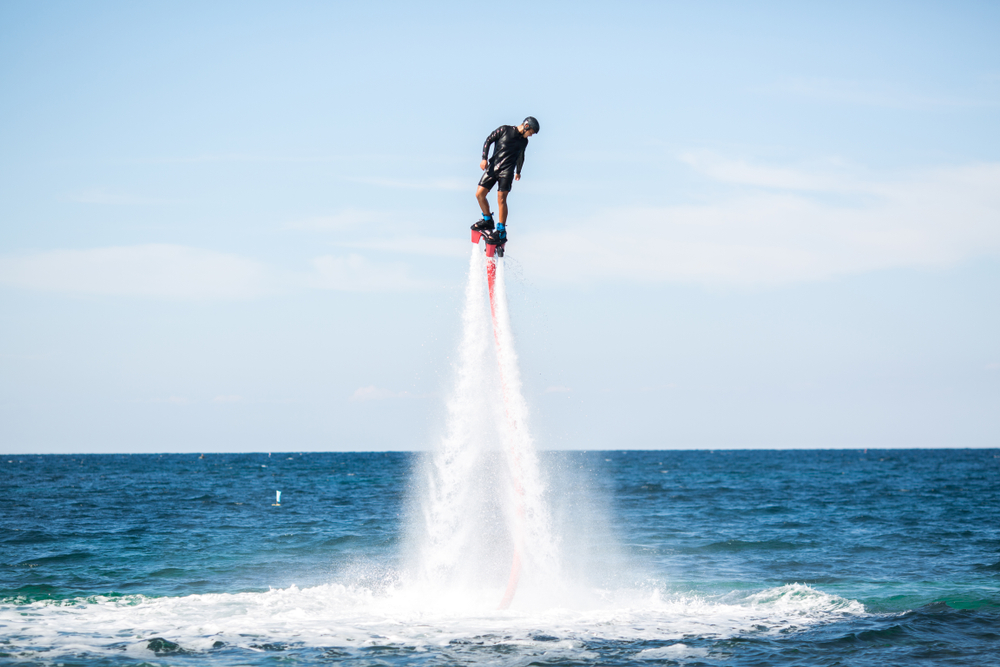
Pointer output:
504, 179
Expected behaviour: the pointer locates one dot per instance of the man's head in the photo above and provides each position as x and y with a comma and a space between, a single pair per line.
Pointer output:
529, 126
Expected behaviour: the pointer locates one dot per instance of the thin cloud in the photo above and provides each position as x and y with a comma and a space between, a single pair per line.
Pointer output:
156, 270
181, 272
557, 389
103, 196
352, 158
874, 94
345, 220
233, 157
373, 393
421, 184
781, 225
416, 245
355, 273
170, 400
743, 172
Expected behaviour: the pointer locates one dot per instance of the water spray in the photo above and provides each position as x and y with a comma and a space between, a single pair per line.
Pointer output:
484, 494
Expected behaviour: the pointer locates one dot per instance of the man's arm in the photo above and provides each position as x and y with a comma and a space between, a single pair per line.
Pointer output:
520, 163
490, 140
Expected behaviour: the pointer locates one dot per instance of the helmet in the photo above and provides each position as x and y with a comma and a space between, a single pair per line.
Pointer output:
531, 123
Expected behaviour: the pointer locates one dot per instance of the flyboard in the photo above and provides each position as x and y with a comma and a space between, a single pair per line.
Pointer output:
494, 253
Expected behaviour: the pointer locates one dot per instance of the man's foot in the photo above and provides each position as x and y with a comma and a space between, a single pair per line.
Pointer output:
483, 225
495, 237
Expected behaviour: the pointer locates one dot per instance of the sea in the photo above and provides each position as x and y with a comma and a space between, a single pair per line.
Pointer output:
743, 557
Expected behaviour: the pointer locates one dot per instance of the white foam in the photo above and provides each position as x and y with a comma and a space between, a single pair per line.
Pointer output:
348, 617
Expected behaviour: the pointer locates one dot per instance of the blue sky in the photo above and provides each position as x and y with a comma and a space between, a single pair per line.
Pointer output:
242, 226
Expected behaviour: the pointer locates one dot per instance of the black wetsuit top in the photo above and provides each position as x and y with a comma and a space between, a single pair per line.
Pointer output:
508, 154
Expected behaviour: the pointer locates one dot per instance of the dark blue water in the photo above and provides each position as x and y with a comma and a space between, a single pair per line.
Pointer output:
179, 559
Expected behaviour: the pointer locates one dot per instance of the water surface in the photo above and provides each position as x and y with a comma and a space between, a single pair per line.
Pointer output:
725, 558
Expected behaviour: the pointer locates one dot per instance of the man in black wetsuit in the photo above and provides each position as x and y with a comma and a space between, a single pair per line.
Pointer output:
503, 168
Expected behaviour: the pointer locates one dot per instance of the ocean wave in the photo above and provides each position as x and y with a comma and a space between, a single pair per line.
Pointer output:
351, 618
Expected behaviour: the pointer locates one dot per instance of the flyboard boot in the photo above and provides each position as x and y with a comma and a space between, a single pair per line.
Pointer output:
481, 227
495, 242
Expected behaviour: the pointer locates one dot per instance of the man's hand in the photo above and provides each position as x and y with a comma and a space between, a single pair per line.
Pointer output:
517, 177
482, 165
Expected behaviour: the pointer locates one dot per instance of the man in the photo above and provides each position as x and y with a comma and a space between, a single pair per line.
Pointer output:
503, 168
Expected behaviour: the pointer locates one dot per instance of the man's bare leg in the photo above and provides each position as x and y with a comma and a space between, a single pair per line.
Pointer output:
501, 207
481, 194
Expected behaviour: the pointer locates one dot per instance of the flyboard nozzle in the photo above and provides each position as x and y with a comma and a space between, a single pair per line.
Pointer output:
277, 499
476, 236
